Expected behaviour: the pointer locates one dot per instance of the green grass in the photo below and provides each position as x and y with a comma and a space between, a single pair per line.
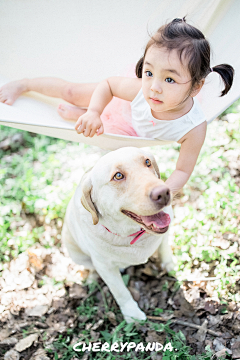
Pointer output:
33, 182
173, 348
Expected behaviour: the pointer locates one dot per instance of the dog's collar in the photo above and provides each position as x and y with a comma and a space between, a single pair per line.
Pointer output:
137, 234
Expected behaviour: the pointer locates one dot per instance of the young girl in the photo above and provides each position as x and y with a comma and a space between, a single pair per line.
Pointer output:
170, 74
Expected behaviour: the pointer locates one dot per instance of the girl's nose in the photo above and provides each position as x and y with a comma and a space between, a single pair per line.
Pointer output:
156, 87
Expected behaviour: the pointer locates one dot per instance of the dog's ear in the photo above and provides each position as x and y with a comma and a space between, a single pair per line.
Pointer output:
155, 165
86, 198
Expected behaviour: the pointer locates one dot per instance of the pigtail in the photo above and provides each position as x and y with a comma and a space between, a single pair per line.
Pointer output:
139, 68
227, 73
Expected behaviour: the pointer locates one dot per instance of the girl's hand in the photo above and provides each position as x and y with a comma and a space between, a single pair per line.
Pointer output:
89, 124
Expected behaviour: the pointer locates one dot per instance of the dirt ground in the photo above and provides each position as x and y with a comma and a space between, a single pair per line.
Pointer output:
37, 311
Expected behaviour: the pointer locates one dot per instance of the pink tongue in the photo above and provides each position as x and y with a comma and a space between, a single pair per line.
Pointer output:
161, 220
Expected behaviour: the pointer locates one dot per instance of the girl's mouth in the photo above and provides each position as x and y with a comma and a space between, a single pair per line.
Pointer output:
155, 101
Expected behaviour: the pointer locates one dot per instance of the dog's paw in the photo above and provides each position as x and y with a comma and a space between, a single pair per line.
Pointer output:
132, 312
139, 316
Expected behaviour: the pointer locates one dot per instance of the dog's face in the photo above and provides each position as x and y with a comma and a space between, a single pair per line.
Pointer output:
124, 189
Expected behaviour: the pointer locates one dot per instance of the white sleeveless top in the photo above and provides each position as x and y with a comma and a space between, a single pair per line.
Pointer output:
166, 130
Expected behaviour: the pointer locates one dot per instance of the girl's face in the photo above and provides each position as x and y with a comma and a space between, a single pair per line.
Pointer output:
166, 83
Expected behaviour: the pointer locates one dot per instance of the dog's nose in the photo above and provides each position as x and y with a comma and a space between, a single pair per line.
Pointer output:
160, 195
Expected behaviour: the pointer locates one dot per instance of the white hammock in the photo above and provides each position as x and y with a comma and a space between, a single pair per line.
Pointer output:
87, 41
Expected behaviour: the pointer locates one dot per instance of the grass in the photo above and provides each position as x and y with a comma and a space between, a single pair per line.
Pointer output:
200, 224
173, 348
39, 176
33, 183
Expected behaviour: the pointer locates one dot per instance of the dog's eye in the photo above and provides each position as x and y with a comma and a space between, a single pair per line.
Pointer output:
118, 176
148, 162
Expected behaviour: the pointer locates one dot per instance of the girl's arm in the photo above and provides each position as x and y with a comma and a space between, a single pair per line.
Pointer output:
121, 87
191, 145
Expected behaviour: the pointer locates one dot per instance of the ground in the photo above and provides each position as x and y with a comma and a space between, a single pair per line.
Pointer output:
45, 306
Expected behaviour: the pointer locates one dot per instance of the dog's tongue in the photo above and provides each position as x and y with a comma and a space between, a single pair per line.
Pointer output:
160, 220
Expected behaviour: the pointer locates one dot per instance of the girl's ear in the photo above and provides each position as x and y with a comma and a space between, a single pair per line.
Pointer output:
197, 87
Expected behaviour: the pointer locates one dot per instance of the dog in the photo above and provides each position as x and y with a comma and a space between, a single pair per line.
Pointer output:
120, 216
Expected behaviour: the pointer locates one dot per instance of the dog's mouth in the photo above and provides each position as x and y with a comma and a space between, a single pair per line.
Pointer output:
157, 223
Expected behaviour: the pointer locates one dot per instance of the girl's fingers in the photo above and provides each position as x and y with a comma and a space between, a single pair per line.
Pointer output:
88, 130
82, 128
100, 130
78, 123
79, 128
92, 133
85, 132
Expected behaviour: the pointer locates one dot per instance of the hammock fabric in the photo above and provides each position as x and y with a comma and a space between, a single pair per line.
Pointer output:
89, 41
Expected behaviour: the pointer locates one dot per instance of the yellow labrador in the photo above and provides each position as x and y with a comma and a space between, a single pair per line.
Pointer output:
119, 216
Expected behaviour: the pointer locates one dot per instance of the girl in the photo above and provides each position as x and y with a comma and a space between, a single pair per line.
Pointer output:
170, 74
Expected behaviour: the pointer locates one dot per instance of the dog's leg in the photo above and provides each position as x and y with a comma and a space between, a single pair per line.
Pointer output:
77, 255
111, 275
74, 250
165, 254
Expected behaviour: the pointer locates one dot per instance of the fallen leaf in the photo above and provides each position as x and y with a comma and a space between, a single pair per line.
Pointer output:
192, 294
111, 317
77, 292
60, 327
222, 352
236, 327
218, 345
148, 271
221, 243
152, 336
4, 334
94, 335
98, 324
9, 341
40, 354
214, 320
26, 342
236, 350
38, 310
11, 355
35, 260
211, 306
209, 343
135, 293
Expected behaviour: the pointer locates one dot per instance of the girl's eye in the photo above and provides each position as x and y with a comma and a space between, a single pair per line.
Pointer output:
169, 80
148, 73
148, 163
118, 176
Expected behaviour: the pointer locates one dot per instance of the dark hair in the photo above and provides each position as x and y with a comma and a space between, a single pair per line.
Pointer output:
192, 44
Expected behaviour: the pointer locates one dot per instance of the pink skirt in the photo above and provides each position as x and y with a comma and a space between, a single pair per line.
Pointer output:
117, 115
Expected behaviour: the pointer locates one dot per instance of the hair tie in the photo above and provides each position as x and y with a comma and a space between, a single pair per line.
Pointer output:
211, 69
